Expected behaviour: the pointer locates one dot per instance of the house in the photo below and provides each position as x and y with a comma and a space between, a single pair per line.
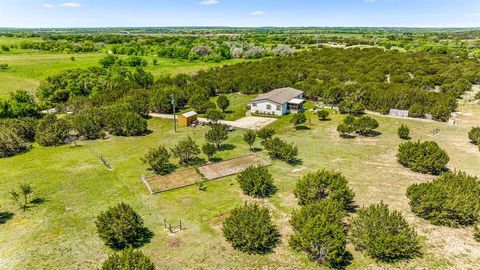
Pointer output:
278, 102
187, 119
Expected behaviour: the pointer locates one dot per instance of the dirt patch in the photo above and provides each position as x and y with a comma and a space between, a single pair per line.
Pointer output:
178, 179
231, 166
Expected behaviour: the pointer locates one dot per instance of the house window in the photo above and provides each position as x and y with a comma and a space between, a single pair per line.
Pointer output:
269, 107
254, 104
279, 108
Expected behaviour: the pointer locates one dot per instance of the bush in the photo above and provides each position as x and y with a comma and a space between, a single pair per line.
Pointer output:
249, 137
298, 120
350, 107
120, 227
209, 150
186, 150
265, 133
417, 111
320, 185
223, 102
217, 134
474, 135
88, 124
385, 235
365, 125
22, 127
11, 143
441, 112
281, 150
403, 132
256, 181
52, 131
249, 229
426, 157
318, 231
214, 115
128, 259
450, 200
159, 160
120, 122
323, 114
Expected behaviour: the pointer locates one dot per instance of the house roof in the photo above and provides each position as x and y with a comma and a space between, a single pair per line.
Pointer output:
189, 114
280, 96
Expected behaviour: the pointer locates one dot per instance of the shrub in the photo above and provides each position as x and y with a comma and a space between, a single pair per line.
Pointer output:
417, 111
265, 133
365, 125
403, 132
298, 120
249, 228
323, 114
281, 150
345, 130
22, 104
209, 150
186, 150
214, 115
52, 131
426, 157
159, 160
256, 181
385, 235
128, 259
474, 135
441, 112
88, 124
350, 107
127, 124
249, 138
11, 143
319, 232
223, 102
120, 227
217, 134
320, 185
450, 200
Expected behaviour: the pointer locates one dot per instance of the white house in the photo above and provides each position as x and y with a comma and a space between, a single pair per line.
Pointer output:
278, 102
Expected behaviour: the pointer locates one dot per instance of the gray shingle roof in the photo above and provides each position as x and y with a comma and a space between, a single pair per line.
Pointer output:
281, 95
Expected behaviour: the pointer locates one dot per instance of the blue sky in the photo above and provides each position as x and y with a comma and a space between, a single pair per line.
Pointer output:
113, 13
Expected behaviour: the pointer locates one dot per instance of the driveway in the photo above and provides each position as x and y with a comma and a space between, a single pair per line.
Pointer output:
247, 122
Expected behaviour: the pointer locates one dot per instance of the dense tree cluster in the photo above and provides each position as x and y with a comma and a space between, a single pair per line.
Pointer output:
424, 157
250, 229
19, 104
385, 235
364, 126
450, 200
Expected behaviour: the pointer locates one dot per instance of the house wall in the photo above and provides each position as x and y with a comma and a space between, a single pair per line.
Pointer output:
261, 107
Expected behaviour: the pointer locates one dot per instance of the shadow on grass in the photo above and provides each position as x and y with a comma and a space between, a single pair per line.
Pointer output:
144, 238
295, 162
196, 162
346, 261
372, 133
256, 149
347, 136
5, 216
302, 128
215, 159
226, 147
38, 200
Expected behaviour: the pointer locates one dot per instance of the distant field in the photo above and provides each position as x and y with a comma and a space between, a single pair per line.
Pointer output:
28, 69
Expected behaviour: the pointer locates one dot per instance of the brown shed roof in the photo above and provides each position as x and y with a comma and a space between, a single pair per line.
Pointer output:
281, 95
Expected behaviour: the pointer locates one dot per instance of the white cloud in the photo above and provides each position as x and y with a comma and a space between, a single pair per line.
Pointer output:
71, 5
257, 13
48, 6
370, 1
209, 2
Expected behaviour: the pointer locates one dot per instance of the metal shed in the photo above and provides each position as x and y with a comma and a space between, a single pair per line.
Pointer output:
187, 118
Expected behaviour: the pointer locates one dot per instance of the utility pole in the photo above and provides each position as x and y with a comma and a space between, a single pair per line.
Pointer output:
174, 113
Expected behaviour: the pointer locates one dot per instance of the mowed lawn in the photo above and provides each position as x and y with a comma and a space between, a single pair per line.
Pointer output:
60, 232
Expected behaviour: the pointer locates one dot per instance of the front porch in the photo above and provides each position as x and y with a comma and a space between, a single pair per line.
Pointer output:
295, 105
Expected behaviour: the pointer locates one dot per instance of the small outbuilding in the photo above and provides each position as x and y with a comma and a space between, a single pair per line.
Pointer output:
187, 119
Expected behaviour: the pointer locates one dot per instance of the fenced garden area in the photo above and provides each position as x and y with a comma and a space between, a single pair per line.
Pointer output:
189, 176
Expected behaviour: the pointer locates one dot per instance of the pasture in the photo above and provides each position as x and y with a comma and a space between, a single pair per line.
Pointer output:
75, 187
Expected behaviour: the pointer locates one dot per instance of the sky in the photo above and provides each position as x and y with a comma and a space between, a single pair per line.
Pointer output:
247, 13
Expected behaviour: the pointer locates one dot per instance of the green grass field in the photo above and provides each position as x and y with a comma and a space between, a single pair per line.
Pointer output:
60, 234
